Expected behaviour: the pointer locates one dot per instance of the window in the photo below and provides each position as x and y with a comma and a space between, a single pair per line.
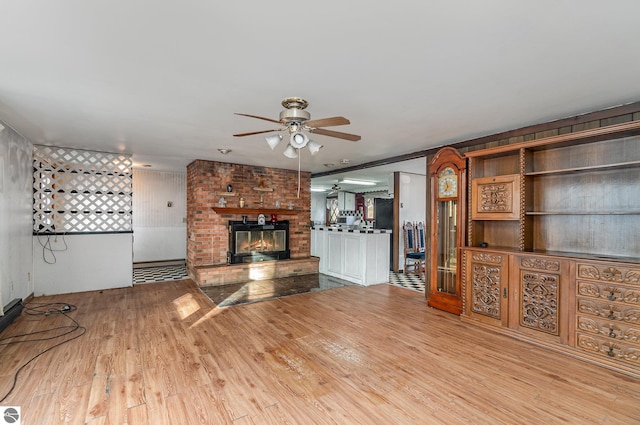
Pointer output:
332, 206
370, 212
77, 191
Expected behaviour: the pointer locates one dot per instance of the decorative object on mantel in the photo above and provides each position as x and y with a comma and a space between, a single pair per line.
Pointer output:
261, 219
241, 202
261, 188
222, 202
290, 206
295, 120
229, 188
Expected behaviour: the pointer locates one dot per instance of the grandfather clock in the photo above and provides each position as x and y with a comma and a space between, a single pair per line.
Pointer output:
447, 172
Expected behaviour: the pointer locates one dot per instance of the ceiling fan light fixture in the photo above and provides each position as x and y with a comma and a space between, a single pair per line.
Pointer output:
299, 140
290, 152
273, 140
314, 147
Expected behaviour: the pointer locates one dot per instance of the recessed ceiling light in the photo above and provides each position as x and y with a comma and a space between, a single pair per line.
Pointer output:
146, 165
224, 151
329, 165
344, 161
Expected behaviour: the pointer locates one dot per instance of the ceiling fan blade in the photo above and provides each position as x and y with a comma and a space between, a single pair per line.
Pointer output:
260, 118
256, 132
338, 134
327, 122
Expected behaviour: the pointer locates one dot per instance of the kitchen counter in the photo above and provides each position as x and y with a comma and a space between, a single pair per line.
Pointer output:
356, 255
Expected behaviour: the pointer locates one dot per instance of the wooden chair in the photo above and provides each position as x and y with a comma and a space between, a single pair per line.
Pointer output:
414, 253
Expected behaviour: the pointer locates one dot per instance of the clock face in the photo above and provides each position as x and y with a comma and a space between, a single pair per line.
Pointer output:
447, 183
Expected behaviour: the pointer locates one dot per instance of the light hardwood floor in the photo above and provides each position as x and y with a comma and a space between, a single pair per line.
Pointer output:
162, 353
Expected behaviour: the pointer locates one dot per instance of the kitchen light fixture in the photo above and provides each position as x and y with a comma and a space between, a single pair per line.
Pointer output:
358, 182
224, 151
318, 189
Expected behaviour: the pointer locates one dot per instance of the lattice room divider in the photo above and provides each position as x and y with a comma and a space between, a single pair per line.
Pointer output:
78, 191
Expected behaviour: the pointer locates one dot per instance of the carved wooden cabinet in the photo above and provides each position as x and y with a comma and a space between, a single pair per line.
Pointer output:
486, 286
496, 198
608, 311
521, 292
541, 287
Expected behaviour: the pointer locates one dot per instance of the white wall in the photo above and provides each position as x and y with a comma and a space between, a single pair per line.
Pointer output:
16, 217
80, 263
159, 231
413, 204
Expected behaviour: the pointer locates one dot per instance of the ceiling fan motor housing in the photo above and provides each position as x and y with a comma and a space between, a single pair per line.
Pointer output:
294, 115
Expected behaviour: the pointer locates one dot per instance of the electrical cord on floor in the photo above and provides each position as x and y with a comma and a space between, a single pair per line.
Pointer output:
44, 309
47, 247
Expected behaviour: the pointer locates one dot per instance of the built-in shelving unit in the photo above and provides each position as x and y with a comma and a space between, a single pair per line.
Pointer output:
563, 271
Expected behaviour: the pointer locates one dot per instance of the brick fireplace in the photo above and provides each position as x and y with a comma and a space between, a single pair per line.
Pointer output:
261, 190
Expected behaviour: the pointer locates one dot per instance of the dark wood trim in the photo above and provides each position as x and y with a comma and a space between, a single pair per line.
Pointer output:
396, 222
265, 211
603, 114
552, 125
377, 163
599, 133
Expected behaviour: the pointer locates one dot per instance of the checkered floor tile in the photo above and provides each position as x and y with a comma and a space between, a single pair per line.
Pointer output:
159, 274
409, 280
166, 273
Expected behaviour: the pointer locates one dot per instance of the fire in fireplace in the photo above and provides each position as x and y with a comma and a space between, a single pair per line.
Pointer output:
250, 242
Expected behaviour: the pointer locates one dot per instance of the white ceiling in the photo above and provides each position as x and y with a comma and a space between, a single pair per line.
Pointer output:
162, 79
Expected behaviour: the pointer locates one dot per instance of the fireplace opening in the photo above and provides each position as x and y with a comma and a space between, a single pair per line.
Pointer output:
250, 242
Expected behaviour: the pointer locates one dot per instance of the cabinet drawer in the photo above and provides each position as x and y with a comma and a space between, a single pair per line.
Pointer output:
610, 329
613, 273
610, 291
611, 311
611, 349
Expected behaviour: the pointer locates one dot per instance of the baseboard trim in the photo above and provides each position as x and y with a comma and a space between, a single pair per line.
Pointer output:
11, 312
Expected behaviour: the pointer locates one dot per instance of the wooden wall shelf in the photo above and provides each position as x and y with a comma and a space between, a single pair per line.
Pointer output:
265, 211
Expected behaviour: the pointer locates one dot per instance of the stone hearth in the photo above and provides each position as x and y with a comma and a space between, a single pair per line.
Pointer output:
238, 273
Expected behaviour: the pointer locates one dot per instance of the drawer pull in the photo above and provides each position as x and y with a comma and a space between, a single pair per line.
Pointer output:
504, 292
610, 316
612, 334
612, 296
610, 353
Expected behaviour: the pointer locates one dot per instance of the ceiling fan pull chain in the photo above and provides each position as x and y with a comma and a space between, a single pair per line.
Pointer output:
299, 153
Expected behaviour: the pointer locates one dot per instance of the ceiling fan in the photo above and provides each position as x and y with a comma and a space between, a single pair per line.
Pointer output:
296, 120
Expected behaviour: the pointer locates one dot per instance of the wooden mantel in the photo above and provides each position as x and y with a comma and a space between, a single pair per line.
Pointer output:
265, 211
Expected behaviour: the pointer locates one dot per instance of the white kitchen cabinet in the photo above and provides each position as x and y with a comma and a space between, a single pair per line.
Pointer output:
346, 201
360, 257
